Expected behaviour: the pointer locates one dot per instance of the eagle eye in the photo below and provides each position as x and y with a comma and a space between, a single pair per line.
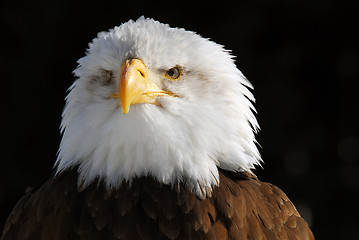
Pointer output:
104, 76
108, 76
173, 73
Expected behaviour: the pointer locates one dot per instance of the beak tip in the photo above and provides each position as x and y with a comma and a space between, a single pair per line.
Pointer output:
125, 110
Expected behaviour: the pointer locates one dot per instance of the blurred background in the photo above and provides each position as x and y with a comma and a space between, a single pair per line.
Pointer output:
301, 56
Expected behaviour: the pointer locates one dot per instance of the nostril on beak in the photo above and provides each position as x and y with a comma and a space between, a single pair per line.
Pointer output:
141, 72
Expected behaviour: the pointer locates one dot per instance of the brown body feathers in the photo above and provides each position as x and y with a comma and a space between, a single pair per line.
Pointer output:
242, 207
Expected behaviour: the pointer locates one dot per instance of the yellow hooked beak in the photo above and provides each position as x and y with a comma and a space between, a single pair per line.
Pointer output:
134, 86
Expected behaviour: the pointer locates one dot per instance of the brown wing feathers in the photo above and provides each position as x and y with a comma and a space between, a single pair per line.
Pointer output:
242, 207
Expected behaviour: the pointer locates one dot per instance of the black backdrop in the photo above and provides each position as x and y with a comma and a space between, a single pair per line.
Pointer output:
301, 56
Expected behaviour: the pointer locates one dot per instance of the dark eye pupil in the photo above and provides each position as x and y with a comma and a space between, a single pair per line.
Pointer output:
171, 72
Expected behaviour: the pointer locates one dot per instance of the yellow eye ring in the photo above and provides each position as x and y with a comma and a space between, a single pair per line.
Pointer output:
173, 73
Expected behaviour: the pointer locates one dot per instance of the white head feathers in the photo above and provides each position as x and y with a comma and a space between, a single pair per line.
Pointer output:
210, 124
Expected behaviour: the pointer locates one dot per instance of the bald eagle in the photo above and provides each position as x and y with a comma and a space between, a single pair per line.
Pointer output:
158, 142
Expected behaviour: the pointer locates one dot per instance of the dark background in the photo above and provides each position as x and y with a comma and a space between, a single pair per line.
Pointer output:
301, 56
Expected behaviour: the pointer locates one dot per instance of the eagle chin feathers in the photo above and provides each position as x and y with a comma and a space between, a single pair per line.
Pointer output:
210, 124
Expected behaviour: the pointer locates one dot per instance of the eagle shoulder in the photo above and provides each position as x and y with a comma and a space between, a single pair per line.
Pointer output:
257, 210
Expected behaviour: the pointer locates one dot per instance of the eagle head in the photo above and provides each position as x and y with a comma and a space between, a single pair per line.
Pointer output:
151, 100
